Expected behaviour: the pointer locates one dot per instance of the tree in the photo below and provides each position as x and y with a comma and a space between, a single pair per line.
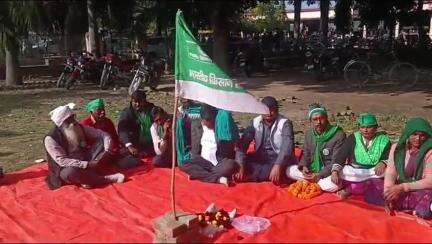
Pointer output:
297, 11
224, 14
297, 17
267, 16
389, 11
324, 20
16, 19
343, 18
92, 29
65, 21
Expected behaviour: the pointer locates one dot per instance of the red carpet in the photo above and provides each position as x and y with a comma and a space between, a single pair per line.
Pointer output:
29, 212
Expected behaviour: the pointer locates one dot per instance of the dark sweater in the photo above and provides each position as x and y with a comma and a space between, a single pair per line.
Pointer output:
53, 179
333, 146
129, 128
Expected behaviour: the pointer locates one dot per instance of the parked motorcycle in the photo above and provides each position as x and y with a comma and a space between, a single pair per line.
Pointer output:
114, 67
90, 69
148, 73
70, 73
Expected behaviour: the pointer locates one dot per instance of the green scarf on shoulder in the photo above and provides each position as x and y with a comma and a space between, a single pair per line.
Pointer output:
320, 140
145, 122
225, 127
183, 154
370, 157
412, 126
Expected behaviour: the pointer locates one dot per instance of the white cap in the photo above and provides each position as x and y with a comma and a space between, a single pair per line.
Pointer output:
60, 114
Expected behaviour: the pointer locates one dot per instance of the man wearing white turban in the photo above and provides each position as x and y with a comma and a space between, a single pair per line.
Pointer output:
70, 159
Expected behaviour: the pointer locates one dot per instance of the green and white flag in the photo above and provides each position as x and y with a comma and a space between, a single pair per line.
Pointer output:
198, 78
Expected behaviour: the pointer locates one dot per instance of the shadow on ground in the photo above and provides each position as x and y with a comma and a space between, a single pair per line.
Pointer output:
307, 82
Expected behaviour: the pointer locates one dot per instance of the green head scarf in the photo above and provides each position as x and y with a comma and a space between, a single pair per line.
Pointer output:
95, 104
316, 109
412, 126
367, 120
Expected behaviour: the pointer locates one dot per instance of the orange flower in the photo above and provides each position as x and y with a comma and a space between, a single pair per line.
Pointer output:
304, 190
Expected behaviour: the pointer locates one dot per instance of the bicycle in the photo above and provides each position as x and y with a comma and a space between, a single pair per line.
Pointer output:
363, 72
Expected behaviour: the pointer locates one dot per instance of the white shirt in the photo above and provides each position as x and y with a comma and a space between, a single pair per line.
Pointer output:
367, 143
208, 145
158, 142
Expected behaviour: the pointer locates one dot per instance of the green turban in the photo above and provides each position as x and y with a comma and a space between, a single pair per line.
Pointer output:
316, 109
367, 119
95, 104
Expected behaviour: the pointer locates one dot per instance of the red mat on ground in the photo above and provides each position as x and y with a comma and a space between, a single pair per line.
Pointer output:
29, 212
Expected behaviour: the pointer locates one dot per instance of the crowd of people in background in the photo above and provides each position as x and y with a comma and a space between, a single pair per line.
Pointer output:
210, 148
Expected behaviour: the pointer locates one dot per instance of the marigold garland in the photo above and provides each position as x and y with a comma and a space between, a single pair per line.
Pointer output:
304, 190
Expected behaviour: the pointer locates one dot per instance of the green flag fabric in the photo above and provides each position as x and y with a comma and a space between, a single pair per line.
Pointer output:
199, 79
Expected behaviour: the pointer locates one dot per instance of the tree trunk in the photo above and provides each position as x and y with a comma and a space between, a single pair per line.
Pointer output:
421, 31
324, 9
13, 76
91, 28
219, 22
297, 10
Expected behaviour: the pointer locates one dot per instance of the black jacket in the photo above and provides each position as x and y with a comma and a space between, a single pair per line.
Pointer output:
129, 129
53, 179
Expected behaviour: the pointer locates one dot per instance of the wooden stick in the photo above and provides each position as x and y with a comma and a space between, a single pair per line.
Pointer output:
174, 154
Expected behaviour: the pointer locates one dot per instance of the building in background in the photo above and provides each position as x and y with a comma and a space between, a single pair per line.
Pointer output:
310, 16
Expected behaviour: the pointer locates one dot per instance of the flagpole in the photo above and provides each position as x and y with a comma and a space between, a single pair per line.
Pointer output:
174, 152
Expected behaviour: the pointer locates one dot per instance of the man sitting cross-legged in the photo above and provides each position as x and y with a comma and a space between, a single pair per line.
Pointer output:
134, 126
274, 143
98, 120
71, 159
212, 147
321, 148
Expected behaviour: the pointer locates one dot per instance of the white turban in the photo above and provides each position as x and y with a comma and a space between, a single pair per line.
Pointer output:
60, 114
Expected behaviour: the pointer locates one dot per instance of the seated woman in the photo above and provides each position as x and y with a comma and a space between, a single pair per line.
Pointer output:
366, 152
408, 178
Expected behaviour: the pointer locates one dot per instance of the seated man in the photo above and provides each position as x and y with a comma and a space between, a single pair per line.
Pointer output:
408, 177
212, 148
321, 148
71, 160
98, 120
134, 126
274, 143
366, 152
161, 136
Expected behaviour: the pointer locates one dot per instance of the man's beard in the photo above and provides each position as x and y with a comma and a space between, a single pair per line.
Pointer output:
74, 136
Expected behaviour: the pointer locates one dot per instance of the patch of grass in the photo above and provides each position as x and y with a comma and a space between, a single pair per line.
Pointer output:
391, 124
25, 121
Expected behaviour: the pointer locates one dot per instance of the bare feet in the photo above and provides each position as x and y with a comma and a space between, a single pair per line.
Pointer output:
116, 178
343, 194
224, 181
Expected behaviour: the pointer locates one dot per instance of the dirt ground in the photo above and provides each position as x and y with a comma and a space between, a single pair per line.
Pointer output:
24, 116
